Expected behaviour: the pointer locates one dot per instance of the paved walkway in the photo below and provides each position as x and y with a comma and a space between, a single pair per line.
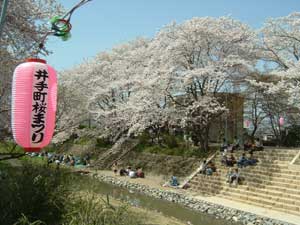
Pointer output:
158, 181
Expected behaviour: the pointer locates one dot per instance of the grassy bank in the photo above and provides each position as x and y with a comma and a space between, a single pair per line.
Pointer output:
36, 194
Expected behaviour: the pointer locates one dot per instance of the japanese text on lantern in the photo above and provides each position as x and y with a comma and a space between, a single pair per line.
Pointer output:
39, 106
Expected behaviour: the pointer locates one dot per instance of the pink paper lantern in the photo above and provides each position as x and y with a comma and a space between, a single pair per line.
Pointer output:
34, 92
281, 121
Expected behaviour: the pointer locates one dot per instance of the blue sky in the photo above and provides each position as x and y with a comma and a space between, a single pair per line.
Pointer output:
100, 25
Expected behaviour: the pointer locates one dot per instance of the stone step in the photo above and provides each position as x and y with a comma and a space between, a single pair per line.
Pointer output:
259, 199
272, 200
264, 157
262, 162
252, 182
271, 192
264, 196
256, 178
289, 173
272, 183
280, 181
277, 153
275, 191
264, 154
255, 181
268, 159
289, 211
273, 187
266, 202
211, 189
275, 163
243, 190
221, 184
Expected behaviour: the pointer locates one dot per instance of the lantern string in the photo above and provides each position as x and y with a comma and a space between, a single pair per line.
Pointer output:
60, 26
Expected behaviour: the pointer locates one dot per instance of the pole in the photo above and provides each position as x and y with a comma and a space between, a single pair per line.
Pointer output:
3, 14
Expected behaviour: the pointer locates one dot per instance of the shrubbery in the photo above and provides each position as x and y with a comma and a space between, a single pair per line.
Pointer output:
36, 195
169, 145
33, 192
103, 143
293, 137
91, 209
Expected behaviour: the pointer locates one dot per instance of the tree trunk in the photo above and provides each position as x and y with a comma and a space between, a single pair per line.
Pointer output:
204, 138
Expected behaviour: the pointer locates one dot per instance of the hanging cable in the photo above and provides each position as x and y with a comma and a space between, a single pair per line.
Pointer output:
61, 26
3, 14
69, 14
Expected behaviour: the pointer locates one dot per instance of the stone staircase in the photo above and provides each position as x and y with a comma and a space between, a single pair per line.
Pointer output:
122, 147
271, 184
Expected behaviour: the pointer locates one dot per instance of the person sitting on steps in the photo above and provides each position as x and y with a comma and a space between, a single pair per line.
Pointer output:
229, 174
230, 160
140, 173
257, 145
247, 145
242, 162
174, 181
251, 161
131, 173
234, 177
210, 168
224, 159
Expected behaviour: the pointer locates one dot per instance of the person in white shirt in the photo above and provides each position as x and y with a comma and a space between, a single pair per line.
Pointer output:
132, 174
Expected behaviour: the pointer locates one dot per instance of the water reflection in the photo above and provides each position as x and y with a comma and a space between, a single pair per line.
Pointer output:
166, 208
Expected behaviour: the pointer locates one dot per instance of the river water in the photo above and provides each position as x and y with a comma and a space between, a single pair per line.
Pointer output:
137, 199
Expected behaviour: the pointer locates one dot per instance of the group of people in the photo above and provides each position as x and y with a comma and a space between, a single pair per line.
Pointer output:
207, 168
230, 147
243, 161
249, 145
137, 173
228, 159
64, 159
253, 146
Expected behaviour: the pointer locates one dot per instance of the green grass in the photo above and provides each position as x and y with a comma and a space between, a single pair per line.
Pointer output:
178, 151
6, 147
40, 161
103, 143
36, 194
82, 140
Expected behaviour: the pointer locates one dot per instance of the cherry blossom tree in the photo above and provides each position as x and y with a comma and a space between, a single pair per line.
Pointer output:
281, 50
199, 59
268, 106
149, 84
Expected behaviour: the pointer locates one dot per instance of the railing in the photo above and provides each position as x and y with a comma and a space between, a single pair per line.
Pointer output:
293, 164
189, 178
